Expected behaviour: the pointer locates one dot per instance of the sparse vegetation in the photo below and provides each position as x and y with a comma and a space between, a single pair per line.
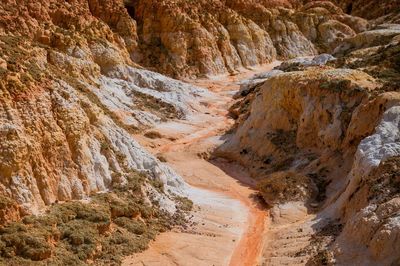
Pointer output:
53, 133
345, 117
286, 186
104, 146
384, 181
384, 65
283, 163
153, 135
158, 185
82, 88
284, 140
22, 73
154, 105
320, 243
336, 85
161, 158
185, 203
244, 107
109, 226
5, 202
9, 209
120, 156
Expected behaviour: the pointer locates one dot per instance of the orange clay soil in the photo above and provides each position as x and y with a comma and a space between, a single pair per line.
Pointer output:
227, 226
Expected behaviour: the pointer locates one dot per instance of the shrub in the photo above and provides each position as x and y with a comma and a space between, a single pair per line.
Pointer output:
153, 135
158, 185
284, 140
185, 203
133, 226
161, 158
286, 186
384, 181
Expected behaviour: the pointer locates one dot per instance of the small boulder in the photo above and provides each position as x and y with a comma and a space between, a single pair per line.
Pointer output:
266, 74
247, 85
322, 59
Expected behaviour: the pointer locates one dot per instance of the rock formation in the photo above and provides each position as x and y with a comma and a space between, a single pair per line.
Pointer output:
70, 97
182, 40
208, 38
78, 78
70, 100
329, 139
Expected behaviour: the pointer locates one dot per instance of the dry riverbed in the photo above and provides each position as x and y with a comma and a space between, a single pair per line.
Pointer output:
227, 226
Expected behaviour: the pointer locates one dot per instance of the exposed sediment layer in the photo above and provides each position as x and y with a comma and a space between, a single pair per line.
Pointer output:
74, 96
329, 145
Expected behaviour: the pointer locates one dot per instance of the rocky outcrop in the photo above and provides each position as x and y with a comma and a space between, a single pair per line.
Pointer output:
181, 40
369, 203
67, 136
327, 139
298, 117
70, 101
209, 38
71, 92
376, 51
381, 35
203, 38
247, 85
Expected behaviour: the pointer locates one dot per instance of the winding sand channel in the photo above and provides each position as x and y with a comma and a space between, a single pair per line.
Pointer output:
228, 223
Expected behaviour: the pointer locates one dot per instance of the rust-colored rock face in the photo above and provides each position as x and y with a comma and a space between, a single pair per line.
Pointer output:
213, 37
64, 65
326, 135
386, 10
10, 211
66, 80
81, 79
185, 39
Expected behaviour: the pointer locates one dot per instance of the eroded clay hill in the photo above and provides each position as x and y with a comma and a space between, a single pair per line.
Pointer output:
183, 38
188, 38
70, 98
78, 79
71, 89
321, 136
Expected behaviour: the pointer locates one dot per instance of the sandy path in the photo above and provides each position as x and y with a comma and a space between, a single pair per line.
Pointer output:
228, 223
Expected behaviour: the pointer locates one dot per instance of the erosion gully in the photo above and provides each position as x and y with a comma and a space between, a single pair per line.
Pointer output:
229, 223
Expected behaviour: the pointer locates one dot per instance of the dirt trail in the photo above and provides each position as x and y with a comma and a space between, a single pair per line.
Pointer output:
228, 223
